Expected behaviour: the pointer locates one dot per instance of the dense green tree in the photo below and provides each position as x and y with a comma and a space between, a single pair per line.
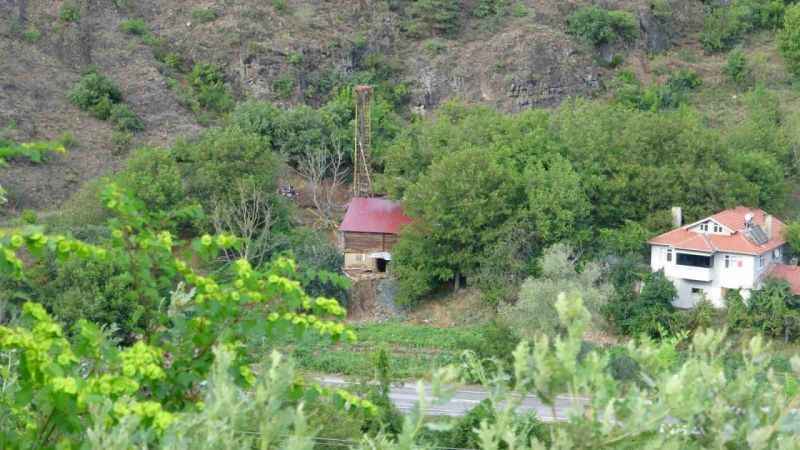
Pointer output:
153, 175
212, 164
557, 203
648, 312
789, 39
774, 311
463, 215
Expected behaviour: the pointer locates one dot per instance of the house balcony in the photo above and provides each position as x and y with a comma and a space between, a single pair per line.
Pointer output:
690, 273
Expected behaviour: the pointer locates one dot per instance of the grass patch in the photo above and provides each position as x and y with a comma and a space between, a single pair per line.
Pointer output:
204, 15
415, 350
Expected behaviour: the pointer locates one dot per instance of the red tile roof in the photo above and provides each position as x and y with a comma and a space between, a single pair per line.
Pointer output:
374, 215
738, 242
789, 273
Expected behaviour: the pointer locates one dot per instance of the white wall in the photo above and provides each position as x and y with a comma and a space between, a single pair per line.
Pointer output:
745, 277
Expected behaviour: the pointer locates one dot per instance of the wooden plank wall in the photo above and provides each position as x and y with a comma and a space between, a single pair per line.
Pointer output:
368, 242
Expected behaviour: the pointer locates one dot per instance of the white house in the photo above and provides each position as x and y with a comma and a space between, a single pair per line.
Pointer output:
733, 249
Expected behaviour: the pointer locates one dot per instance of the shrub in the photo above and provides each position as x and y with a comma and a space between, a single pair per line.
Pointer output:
789, 39
774, 311
736, 67
599, 26
252, 116
723, 27
279, 5
535, 310
95, 93
649, 312
69, 12
737, 314
136, 27
316, 256
489, 8
671, 94
29, 217
125, 119
283, 86
100, 291
464, 433
519, 10
433, 18
154, 176
204, 15
208, 86
702, 316
121, 141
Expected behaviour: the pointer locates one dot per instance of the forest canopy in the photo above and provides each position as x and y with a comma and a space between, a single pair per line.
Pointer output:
471, 176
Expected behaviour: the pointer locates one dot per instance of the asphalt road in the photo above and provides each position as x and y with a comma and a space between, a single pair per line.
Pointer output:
404, 396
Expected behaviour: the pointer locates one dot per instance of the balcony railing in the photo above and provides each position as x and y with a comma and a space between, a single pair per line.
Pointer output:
690, 272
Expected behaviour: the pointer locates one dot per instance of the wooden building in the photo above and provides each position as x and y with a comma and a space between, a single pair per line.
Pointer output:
368, 233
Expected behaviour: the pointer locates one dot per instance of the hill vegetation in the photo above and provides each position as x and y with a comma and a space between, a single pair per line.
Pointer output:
173, 172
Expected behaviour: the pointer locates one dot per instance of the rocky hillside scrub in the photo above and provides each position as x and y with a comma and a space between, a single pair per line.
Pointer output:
180, 66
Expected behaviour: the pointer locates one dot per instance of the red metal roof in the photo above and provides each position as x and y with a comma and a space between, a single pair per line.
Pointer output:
789, 273
738, 242
374, 215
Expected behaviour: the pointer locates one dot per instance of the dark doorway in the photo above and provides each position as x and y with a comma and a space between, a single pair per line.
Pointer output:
380, 264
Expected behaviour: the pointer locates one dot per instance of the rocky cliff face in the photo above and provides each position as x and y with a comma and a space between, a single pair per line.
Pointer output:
287, 52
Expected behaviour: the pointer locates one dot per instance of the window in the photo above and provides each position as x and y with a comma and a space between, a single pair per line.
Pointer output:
727, 261
761, 261
698, 291
717, 228
688, 259
704, 226
669, 254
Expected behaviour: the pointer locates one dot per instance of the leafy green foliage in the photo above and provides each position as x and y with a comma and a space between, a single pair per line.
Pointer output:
212, 163
95, 93
99, 95
433, 18
600, 26
125, 119
789, 39
54, 395
69, 12
671, 94
136, 27
679, 395
736, 68
207, 88
651, 311
725, 24
535, 312
154, 175
35, 151
792, 235
774, 311
579, 173
488, 8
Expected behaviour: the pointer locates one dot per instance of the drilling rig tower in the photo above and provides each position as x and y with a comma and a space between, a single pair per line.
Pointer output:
362, 179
